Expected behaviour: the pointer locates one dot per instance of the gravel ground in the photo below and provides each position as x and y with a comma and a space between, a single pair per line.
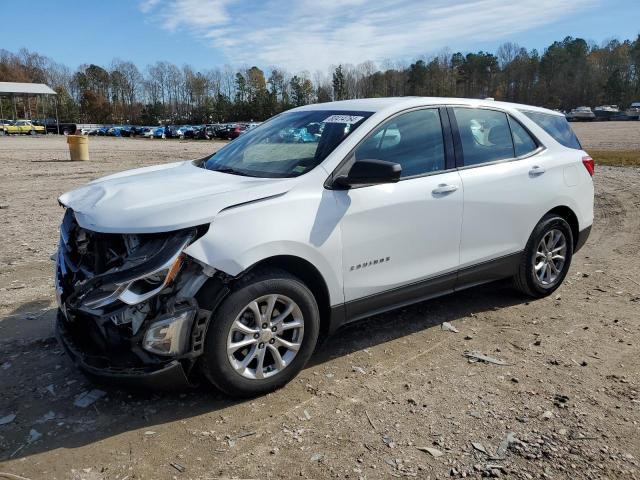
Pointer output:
608, 135
390, 397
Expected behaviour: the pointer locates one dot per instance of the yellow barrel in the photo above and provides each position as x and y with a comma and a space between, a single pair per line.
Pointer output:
78, 147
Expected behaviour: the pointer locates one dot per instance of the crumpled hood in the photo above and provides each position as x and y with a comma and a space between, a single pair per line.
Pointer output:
164, 197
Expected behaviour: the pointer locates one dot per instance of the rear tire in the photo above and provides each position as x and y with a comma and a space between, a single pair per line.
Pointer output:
546, 258
268, 358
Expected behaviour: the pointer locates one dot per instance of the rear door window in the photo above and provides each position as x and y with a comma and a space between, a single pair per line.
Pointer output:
522, 140
485, 135
556, 126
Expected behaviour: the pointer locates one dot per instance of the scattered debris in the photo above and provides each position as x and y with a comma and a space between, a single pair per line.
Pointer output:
50, 415
11, 476
149, 433
548, 415
561, 401
479, 447
434, 452
34, 435
178, 467
359, 370
6, 365
4, 206
446, 326
306, 415
481, 357
509, 440
50, 389
388, 441
370, 421
317, 457
88, 398
7, 419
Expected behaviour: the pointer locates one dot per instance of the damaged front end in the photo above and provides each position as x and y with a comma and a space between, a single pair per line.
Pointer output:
128, 308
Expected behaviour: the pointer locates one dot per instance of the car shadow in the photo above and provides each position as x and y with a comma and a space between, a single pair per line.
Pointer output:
40, 383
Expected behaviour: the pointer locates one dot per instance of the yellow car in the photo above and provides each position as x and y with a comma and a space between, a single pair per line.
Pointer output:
21, 126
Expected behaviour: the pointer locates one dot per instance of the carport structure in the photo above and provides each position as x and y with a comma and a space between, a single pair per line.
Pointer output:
40, 91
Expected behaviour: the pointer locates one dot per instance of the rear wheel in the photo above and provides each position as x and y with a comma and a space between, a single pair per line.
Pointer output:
546, 258
262, 335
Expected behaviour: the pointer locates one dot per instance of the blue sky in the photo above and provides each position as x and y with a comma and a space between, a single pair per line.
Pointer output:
299, 34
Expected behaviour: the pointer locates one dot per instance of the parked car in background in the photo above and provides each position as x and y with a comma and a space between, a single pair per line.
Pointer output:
633, 112
581, 114
606, 112
190, 131
114, 132
147, 132
24, 127
158, 132
126, 131
158, 278
169, 131
51, 126
224, 132
4, 123
236, 131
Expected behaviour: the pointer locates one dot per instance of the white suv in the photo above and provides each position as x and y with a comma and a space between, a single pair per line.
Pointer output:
235, 265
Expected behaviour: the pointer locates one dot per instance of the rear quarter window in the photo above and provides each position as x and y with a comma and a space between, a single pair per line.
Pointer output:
556, 126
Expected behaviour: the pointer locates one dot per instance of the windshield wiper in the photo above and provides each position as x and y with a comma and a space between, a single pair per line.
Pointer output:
230, 170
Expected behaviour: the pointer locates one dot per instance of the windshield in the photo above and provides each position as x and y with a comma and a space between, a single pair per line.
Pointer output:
288, 145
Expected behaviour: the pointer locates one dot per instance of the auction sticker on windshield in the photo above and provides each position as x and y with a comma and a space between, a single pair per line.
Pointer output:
342, 119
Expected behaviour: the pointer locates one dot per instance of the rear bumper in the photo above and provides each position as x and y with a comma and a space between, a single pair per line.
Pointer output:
583, 235
162, 377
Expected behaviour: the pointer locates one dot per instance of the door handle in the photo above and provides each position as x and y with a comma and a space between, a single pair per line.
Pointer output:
536, 171
444, 188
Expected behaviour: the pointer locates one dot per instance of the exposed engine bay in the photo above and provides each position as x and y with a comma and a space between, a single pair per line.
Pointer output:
128, 301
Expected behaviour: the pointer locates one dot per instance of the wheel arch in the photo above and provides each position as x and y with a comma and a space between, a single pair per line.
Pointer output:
572, 219
310, 276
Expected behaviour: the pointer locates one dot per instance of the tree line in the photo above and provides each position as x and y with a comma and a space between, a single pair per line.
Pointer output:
569, 73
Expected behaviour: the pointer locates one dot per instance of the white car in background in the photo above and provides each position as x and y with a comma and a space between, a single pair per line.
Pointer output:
235, 264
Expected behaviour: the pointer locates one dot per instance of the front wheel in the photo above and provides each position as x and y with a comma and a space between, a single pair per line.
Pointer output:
547, 257
262, 335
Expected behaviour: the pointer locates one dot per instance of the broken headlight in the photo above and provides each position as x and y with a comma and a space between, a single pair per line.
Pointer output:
133, 291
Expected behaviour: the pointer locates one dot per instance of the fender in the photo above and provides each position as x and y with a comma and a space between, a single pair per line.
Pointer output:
268, 231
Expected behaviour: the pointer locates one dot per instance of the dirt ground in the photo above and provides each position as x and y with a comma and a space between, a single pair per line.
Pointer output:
390, 397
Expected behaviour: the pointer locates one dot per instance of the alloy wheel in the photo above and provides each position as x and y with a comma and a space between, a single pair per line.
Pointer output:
265, 337
549, 260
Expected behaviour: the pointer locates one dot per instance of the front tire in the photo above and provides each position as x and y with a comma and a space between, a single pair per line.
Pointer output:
546, 258
262, 335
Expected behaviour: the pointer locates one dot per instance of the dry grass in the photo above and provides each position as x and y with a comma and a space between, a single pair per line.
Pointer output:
616, 158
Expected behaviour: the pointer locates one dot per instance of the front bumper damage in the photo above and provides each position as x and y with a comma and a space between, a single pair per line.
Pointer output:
128, 308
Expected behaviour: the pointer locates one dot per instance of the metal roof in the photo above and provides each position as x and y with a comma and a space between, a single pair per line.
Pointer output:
26, 88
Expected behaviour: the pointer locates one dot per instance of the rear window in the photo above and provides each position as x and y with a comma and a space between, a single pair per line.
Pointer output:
556, 126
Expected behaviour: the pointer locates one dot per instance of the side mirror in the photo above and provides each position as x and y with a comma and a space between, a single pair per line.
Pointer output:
369, 172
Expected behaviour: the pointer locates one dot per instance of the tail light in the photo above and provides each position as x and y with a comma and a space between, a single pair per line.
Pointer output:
587, 161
